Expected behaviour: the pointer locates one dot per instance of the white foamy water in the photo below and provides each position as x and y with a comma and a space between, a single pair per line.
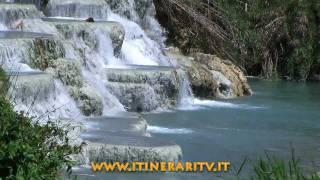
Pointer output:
205, 104
3, 27
186, 97
164, 130
138, 48
57, 105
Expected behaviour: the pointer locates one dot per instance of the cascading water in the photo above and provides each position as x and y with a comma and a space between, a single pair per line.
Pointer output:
66, 69
185, 93
136, 39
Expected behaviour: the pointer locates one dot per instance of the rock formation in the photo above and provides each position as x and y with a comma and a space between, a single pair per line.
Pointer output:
212, 77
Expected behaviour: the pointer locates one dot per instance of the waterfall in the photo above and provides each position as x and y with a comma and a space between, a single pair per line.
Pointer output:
138, 47
80, 8
81, 55
40, 96
186, 97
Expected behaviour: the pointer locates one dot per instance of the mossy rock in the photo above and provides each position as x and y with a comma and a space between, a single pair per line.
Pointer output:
68, 71
89, 102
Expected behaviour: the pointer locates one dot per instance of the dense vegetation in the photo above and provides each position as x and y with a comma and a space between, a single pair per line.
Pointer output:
28, 149
280, 37
272, 38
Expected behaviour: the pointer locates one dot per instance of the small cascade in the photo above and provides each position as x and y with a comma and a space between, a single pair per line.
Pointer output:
95, 45
138, 47
186, 97
144, 88
141, 12
19, 50
103, 36
32, 91
38, 3
38, 95
10, 13
97, 9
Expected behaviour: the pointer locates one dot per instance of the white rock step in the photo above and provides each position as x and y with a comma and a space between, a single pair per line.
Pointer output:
123, 147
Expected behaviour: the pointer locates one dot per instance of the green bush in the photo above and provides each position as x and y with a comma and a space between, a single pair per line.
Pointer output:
30, 150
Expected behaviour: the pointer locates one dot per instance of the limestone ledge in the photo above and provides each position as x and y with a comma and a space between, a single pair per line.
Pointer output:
129, 148
89, 31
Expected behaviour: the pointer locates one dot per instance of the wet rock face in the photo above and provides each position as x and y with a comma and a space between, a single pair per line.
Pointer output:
201, 80
89, 102
135, 10
10, 13
37, 52
135, 97
121, 7
30, 87
69, 72
88, 32
142, 6
212, 77
144, 90
43, 52
77, 8
235, 79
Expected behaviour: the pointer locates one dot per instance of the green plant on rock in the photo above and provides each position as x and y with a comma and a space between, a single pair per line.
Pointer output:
43, 53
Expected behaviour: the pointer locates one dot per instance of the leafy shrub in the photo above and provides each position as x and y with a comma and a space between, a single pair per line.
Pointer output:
30, 150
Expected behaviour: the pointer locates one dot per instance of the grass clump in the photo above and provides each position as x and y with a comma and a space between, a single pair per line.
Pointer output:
273, 168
